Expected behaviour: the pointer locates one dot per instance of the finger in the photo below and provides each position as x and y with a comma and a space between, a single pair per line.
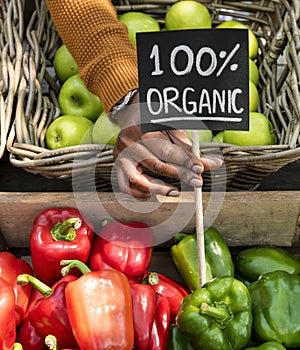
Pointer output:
180, 138
171, 153
141, 154
157, 145
132, 180
188, 176
211, 163
124, 185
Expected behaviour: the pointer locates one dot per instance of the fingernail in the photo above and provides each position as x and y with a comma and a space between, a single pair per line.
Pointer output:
173, 193
219, 162
196, 183
197, 169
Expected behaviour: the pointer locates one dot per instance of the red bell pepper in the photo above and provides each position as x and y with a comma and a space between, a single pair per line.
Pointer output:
10, 268
143, 308
49, 314
169, 288
151, 317
58, 233
100, 308
126, 247
7, 316
27, 334
161, 326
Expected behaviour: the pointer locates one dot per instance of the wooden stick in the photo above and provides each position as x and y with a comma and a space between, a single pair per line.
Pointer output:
199, 217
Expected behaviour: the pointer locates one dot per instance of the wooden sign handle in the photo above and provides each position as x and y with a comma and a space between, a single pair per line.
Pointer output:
199, 217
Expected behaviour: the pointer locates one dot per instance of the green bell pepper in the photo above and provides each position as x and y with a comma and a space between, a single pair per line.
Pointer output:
276, 308
217, 256
177, 340
270, 345
217, 316
256, 261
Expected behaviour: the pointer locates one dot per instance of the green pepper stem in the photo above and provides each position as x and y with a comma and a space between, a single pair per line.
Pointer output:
17, 346
152, 279
218, 313
179, 236
74, 264
51, 342
66, 231
36, 283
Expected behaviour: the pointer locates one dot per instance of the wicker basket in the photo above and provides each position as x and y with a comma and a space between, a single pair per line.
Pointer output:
276, 25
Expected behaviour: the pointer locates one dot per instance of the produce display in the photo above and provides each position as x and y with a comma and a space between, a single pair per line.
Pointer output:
87, 290
76, 101
96, 290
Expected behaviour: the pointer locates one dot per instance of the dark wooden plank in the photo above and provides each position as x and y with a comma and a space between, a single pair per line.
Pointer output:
243, 219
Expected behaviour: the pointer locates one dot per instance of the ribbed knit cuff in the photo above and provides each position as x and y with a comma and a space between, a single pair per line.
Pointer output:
114, 83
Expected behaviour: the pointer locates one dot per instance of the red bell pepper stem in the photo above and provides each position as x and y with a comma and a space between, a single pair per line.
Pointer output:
66, 231
72, 264
51, 342
151, 278
36, 283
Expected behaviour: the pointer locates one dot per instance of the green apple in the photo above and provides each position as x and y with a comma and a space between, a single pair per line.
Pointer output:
64, 64
105, 131
75, 99
261, 132
253, 97
204, 135
253, 72
69, 130
187, 14
252, 40
219, 137
138, 22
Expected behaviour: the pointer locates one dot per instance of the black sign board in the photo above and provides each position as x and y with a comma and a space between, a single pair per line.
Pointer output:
194, 79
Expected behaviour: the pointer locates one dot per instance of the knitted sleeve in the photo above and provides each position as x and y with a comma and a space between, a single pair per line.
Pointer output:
100, 45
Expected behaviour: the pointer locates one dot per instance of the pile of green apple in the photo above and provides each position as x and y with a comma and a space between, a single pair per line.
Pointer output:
82, 119
261, 130
191, 14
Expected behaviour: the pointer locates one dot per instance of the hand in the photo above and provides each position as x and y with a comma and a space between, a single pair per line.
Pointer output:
163, 153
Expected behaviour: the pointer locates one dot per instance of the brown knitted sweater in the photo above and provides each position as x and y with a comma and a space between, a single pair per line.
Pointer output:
99, 44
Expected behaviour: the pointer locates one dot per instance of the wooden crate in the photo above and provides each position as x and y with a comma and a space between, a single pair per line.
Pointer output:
243, 218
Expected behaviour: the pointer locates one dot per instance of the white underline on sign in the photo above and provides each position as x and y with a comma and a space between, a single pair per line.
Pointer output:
172, 119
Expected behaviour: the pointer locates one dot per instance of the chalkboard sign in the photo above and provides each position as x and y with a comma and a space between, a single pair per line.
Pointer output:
194, 79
